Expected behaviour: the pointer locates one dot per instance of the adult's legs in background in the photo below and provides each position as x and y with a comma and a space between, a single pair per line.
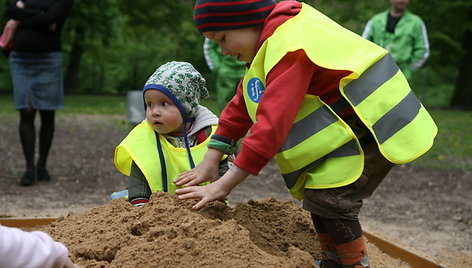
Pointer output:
46, 134
28, 138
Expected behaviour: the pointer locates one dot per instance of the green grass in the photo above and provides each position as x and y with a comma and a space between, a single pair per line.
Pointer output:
6, 104
452, 148
84, 104
78, 105
94, 105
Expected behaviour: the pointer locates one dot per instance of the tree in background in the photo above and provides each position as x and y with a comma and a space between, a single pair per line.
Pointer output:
112, 46
463, 88
449, 28
93, 24
157, 32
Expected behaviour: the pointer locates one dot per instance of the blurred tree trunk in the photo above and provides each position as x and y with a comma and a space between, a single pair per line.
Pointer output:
72, 71
463, 90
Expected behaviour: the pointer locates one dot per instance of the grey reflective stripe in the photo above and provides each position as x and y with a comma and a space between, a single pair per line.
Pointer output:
348, 149
377, 74
397, 118
305, 128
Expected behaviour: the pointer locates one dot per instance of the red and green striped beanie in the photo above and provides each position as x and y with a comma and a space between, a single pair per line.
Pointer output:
219, 15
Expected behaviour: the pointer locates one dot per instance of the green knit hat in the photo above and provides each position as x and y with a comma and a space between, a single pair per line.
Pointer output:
182, 83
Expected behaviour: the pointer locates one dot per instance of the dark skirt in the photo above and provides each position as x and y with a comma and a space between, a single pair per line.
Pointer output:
37, 77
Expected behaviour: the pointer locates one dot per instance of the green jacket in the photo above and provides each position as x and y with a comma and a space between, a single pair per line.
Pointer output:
409, 44
228, 71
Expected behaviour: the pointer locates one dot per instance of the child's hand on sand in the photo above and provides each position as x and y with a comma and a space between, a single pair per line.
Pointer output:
206, 194
207, 170
201, 173
215, 191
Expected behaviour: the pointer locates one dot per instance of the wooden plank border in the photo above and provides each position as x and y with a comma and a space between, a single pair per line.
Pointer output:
25, 222
397, 252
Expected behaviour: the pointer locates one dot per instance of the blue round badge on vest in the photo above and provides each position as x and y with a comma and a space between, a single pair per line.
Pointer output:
255, 88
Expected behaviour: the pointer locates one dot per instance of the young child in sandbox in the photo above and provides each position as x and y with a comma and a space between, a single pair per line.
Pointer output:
332, 108
174, 136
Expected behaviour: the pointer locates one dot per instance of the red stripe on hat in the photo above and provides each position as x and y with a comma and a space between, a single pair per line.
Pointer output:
234, 3
222, 14
230, 23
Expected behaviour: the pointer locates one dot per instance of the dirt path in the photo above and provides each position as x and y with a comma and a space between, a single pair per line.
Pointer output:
426, 211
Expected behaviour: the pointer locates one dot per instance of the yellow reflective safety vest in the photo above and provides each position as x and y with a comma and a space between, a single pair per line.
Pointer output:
141, 146
321, 151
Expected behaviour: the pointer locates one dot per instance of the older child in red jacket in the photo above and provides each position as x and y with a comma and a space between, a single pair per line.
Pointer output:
332, 108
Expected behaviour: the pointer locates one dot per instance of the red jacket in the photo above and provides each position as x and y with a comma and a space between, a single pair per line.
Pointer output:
286, 85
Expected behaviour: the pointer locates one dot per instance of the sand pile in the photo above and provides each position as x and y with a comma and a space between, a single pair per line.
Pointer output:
167, 233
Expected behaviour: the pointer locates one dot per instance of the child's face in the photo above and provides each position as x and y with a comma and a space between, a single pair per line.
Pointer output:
399, 5
161, 112
240, 43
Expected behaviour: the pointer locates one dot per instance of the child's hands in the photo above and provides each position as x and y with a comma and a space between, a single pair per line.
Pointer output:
214, 191
207, 170
206, 194
201, 173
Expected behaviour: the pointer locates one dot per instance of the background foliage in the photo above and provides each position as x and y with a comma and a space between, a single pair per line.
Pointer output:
112, 46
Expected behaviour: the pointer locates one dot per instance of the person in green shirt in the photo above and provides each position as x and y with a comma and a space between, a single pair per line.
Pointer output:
402, 33
227, 71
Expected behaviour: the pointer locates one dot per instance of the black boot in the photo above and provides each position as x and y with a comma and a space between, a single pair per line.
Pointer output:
29, 177
42, 174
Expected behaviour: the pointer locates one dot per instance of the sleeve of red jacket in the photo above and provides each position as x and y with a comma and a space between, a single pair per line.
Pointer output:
286, 86
234, 121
